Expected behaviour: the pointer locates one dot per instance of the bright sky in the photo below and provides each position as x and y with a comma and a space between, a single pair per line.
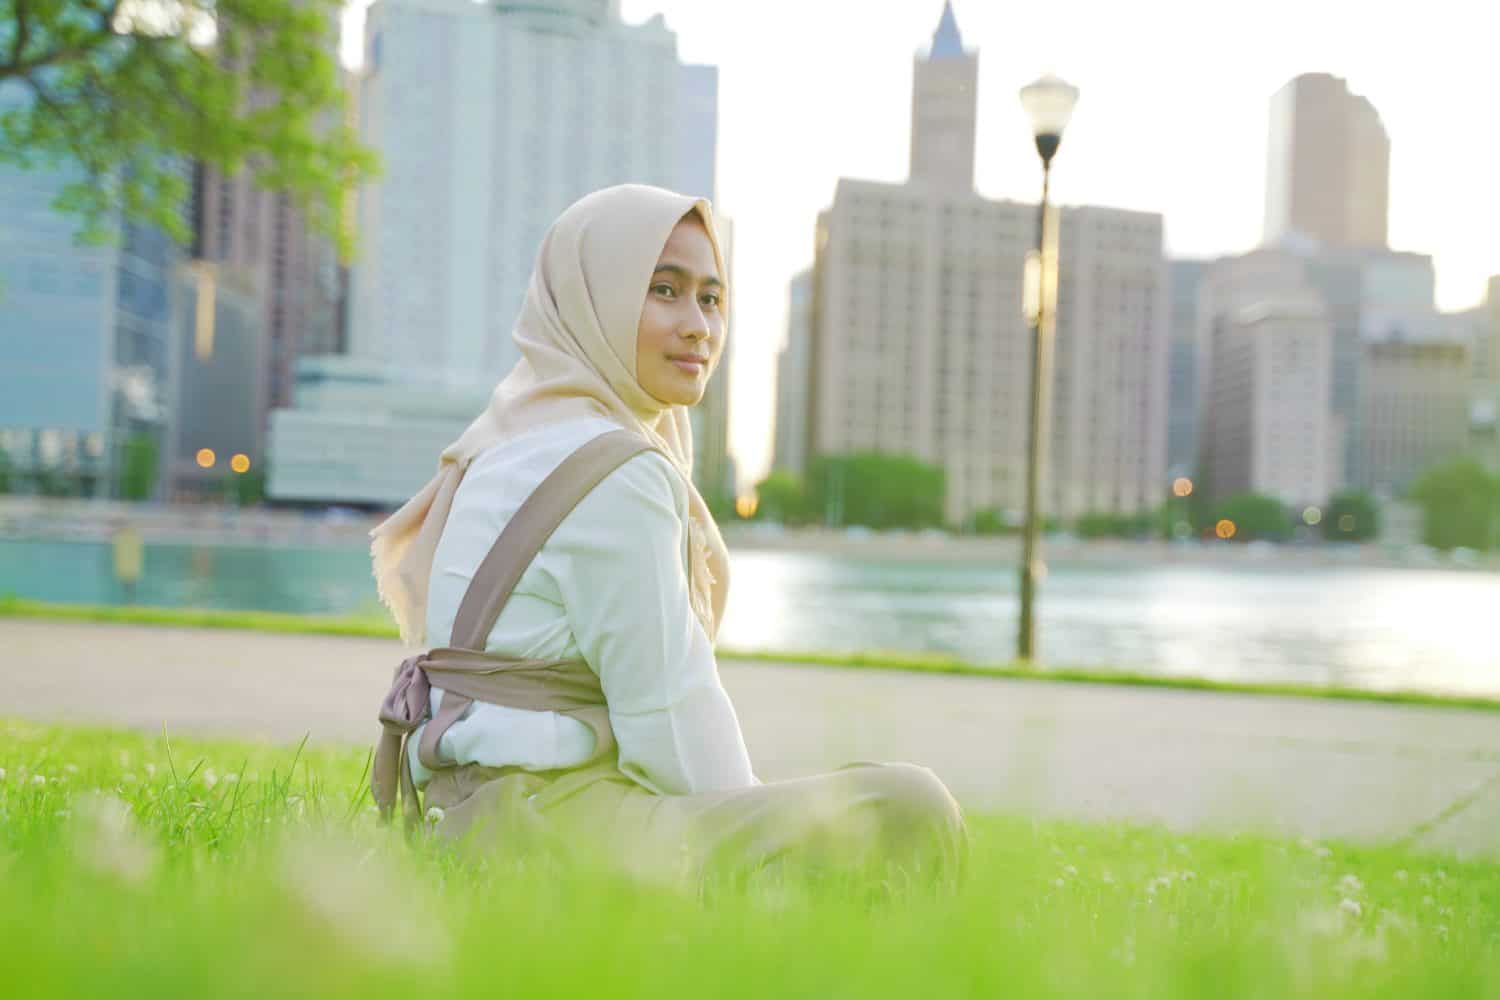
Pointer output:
1172, 119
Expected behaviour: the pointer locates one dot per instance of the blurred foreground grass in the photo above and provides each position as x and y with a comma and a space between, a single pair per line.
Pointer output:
134, 865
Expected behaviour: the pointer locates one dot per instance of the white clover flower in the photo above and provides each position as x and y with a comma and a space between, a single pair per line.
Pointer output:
1059, 883
71, 768
1351, 908
1322, 851
2, 774
1401, 875
150, 770
129, 778
1440, 875
1351, 884
107, 840
1188, 876
231, 778
210, 778
1427, 901
1069, 870
38, 779
435, 815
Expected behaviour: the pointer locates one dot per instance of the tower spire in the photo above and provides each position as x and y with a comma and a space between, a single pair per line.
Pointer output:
947, 43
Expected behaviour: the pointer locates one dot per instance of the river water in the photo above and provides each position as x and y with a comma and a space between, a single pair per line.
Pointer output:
1434, 629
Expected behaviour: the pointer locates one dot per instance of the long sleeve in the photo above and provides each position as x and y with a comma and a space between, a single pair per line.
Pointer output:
625, 590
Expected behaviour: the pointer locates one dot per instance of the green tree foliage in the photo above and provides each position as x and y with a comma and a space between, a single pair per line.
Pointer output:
991, 521
248, 488
1256, 518
1352, 516
130, 89
877, 490
138, 467
1460, 506
783, 498
1106, 525
5, 472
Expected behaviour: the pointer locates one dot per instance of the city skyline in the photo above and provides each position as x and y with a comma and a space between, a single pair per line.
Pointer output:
1165, 105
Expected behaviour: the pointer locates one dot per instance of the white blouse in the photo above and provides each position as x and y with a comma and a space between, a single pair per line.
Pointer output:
609, 586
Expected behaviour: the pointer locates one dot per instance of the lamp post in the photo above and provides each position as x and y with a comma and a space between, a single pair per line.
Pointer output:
1049, 104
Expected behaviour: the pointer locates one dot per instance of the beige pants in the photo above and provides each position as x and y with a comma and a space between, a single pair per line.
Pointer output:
863, 818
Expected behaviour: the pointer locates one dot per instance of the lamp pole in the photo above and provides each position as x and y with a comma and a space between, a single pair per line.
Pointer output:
1049, 103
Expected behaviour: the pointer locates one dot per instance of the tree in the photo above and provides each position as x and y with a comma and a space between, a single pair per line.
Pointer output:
138, 467
877, 490
5, 472
1256, 518
1460, 506
129, 90
782, 497
1352, 516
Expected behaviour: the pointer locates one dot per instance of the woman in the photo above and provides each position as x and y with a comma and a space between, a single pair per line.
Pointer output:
607, 723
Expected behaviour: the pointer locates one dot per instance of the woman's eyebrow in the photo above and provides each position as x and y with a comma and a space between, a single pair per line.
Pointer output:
686, 274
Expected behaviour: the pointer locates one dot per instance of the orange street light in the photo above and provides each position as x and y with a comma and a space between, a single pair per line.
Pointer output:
747, 505
206, 458
1225, 529
240, 463
1182, 486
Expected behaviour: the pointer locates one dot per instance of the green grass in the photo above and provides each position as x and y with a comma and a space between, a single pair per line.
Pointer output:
379, 626
134, 866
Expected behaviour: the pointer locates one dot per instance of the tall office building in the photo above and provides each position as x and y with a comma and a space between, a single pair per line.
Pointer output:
1415, 401
792, 376
1265, 364
491, 118
919, 344
944, 100
1328, 165
1182, 379
84, 338
1484, 407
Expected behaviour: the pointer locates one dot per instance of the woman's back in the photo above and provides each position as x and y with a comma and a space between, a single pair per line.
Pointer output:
610, 586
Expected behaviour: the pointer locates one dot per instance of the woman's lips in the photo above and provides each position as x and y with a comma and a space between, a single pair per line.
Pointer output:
693, 366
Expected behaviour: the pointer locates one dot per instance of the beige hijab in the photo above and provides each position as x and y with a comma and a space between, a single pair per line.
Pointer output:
577, 334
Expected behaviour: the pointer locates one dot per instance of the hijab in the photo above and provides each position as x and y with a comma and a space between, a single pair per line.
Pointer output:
577, 336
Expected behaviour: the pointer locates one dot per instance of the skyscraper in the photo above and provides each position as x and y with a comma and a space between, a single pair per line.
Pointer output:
1265, 362
944, 100
491, 118
918, 342
792, 378
84, 337
1328, 165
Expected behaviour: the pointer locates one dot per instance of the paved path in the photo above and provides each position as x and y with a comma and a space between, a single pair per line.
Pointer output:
1190, 760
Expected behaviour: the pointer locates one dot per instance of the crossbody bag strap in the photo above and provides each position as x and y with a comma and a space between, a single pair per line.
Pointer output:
534, 523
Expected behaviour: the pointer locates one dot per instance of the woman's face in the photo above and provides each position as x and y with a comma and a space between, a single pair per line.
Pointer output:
681, 333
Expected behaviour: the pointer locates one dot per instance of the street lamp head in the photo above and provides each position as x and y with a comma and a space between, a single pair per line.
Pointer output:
1049, 104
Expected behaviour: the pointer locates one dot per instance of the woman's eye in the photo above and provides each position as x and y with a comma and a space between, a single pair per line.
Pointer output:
664, 289
711, 299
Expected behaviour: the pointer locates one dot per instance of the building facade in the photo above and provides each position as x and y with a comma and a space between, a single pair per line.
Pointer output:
1184, 277
1328, 165
1265, 368
490, 119
919, 343
1415, 400
793, 371
84, 339
463, 101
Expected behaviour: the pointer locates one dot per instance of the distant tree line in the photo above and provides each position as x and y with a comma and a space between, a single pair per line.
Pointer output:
1460, 504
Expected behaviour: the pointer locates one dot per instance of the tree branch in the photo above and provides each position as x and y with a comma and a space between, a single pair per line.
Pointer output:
17, 66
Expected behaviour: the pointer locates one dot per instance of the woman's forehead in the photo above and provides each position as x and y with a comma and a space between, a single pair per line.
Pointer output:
690, 248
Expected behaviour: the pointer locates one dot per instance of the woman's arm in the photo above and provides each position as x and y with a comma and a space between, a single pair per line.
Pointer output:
625, 591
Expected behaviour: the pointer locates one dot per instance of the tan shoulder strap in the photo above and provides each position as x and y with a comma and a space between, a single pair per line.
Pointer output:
534, 523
